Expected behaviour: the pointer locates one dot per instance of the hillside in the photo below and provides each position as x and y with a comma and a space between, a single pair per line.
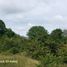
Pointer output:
49, 49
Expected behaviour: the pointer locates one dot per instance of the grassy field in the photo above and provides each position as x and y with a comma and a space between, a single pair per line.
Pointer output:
17, 61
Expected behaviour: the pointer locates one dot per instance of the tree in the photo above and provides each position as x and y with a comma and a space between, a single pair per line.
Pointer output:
2, 27
56, 35
9, 33
38, 33
37, 36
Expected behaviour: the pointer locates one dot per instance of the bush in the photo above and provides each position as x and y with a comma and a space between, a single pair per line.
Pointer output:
13, 50
50, 61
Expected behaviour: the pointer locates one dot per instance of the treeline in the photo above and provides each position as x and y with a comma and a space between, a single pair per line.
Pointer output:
51, 48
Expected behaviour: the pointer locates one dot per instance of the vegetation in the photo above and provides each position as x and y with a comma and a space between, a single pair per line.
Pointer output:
49, 49
20, 61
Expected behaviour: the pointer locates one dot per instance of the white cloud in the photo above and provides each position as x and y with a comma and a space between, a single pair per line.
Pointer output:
20, 15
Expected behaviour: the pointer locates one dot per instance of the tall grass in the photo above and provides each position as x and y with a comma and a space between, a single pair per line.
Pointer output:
22, 61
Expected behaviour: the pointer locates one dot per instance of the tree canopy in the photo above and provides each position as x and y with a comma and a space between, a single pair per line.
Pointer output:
37, 33
2, 25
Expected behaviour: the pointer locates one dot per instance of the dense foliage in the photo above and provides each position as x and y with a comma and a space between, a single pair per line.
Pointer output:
50, 48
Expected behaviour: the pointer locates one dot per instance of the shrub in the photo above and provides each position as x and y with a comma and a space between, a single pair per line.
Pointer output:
13, 50
50, 61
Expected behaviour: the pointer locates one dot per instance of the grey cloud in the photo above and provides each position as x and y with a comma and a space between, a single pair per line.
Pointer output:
16, 6
20, 15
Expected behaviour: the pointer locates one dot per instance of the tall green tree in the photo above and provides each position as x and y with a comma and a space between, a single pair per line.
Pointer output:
2, 27
38, 36
56, 35
38, 33
9, 33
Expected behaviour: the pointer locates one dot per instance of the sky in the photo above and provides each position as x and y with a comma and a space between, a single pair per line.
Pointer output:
21, 15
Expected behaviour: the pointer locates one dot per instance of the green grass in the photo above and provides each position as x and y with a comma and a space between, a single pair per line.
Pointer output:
22, 61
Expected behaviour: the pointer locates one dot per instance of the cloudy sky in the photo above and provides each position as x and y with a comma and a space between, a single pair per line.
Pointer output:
20, 15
